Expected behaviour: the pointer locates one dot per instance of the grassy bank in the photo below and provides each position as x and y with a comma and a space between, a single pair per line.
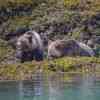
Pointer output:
26, 70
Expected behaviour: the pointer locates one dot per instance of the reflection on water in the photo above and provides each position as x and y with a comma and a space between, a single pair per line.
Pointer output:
53, 87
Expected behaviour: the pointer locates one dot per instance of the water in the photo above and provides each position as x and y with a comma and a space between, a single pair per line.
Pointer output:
53, 87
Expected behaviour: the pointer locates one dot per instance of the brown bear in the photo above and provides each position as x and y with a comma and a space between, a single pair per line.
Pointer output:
29, 46
71, 47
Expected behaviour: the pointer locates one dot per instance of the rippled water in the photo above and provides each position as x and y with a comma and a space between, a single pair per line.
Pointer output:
53, 87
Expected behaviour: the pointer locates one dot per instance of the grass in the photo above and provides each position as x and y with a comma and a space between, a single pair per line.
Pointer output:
67, 65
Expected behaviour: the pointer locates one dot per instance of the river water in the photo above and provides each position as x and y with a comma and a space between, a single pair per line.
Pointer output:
53, 87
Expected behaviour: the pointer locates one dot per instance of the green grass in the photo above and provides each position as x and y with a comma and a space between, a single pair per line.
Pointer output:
67, 65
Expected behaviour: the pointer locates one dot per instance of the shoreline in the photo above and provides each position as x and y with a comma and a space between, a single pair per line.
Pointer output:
66, 65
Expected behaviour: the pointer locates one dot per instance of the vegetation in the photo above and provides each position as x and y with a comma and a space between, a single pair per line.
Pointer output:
40, 13
90, 5
26, 70
5, 50
68, 18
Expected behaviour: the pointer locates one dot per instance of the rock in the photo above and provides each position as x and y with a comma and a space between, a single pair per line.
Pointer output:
60, 48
